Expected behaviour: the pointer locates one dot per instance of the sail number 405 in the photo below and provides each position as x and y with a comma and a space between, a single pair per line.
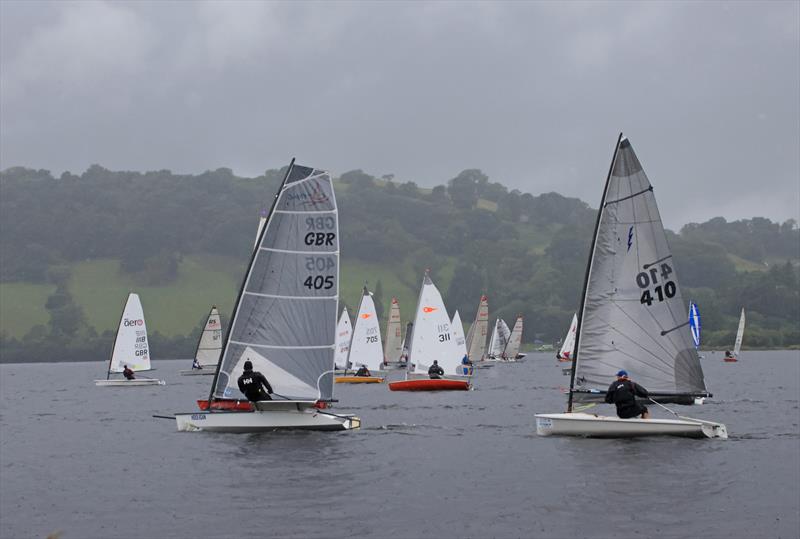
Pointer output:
660, 291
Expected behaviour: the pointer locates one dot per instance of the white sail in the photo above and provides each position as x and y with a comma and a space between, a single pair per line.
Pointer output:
209, 348
568, 345
262, 220
286, 310
737, 347
344, 334
366, 348
393, 347
130, 346
476, 339
500, 336
633, 315
460, 343
432, 337
514, 340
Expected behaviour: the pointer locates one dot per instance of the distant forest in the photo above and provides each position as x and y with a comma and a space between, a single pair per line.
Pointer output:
528, 253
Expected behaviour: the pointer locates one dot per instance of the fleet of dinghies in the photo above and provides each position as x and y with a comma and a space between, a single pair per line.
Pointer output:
284, 322
631, 317
366, 349
131, 348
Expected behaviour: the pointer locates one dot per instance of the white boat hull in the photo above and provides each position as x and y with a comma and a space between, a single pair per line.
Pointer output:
270, 416
130, 383
198, 372
590, 425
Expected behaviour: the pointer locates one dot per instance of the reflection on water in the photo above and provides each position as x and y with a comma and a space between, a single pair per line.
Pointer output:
464, 464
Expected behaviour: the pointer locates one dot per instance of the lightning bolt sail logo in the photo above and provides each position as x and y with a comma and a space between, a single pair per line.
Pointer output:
630, 238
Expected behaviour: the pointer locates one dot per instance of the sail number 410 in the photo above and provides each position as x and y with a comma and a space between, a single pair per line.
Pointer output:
660, 291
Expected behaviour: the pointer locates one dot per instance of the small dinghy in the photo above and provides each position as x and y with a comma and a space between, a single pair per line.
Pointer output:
393, 346
209, 347
284, 322
737, 346
565, 353
130, 349
366, 349
476, 337
631, 318
434, 338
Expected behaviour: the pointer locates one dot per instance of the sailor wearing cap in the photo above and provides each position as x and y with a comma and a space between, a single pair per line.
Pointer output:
623, 393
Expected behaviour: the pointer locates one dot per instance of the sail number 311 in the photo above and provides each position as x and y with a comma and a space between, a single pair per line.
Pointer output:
661, 289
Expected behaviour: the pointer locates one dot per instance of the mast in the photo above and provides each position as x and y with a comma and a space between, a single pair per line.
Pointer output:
244, 283
586, 277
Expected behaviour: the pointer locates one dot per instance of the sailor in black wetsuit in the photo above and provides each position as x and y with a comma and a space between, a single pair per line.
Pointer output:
363, 371
252, 384
435, 372
128, 373
623, 394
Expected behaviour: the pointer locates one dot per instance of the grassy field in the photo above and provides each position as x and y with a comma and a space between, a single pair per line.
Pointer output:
100, 288
22, 307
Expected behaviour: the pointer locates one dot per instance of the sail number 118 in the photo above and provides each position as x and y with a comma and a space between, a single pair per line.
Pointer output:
660, 291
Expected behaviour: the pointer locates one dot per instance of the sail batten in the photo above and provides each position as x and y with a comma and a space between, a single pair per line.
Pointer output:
633, 316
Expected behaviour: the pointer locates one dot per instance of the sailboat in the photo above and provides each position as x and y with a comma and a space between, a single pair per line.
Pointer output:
631, 317
284, 318
344, 334
432, 339
737, 346
461, 345
131, 348
393, 347
476, 337
511, 351
565, 353
366, 348
209, 347
497, 343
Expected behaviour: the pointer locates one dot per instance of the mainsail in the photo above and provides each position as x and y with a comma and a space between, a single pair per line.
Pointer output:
344, 333
366, 348
632, 315
499, 340
694, 323
476, 338
432, 338
569, 340
284, 320
209, 347
737, 347
130, 345
459, 342
393, 347
514, 340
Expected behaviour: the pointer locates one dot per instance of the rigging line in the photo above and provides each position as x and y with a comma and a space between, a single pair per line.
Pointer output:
657, 261
636, 323
665, 331
629, 196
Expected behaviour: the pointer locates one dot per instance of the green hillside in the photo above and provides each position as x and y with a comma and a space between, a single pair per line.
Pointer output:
72, 248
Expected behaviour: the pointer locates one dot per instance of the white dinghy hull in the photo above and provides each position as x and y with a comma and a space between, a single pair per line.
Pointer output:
198, 372
270, 416
597, 426
130, 383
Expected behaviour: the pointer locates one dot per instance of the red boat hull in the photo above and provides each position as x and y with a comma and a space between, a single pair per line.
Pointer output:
730, 360
429, 385
225, 404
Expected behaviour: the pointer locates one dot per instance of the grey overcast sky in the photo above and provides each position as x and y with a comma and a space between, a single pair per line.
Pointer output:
534, 94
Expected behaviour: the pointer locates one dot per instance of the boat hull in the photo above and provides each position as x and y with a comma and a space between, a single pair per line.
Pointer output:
137, 382
269, 417
358, 380
441, 384
730, 360
197, 372
595, 426
226, 404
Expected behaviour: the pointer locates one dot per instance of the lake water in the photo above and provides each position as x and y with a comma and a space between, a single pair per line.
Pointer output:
92, 462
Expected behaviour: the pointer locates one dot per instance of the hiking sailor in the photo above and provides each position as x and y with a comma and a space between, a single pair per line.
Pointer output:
252, 384
435, 372
623, 394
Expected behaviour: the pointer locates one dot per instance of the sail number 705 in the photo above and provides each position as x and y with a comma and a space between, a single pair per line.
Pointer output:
660, 291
